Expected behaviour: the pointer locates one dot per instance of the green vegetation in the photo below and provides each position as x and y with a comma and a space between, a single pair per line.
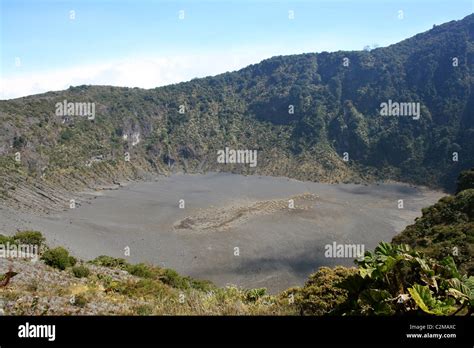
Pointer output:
446, 228
108, 261
167, 276
466, 180
80, 271
58, 258
255, 294
24, 237
4, 240
172, 278
321, 294
395, 279
29, 237
141, 270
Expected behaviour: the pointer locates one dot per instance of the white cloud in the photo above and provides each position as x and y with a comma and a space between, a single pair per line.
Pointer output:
144, 72
156, 70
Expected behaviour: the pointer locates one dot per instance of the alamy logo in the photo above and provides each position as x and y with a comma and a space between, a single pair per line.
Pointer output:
76, 109
392, 108
37, 331
27, 251
229, 156
351, 251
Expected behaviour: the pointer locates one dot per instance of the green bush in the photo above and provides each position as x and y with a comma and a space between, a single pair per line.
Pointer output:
72, 260
66, 135
320, 294
108, 261
81, 271
58, 258
6, 239
173, 279
202, 285
141, 270
169, 277
445, 229
29, 237
143, 288
253, 295
465, 180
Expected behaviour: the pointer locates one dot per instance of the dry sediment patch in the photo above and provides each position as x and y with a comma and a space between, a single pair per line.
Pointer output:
222, 218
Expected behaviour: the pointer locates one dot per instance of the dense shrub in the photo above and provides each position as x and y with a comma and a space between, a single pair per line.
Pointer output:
143, 288
202, 285
320, 294
169, 277
58, 258
29, 237
445, 229
24, 237
108, 261
141, 270
6, 239
173, 279
81, 271
466, 180
253, 295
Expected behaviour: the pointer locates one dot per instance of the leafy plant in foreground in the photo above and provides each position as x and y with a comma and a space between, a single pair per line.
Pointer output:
395, 279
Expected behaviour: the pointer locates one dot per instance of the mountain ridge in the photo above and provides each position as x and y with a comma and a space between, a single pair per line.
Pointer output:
421, 35
336, 112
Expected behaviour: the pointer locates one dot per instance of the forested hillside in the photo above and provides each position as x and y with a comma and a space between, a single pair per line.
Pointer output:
447, 228
302, 113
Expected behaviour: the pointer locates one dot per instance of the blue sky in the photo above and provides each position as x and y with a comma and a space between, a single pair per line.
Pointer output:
144, 43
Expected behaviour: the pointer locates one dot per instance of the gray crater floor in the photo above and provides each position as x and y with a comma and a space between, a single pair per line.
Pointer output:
278, 247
